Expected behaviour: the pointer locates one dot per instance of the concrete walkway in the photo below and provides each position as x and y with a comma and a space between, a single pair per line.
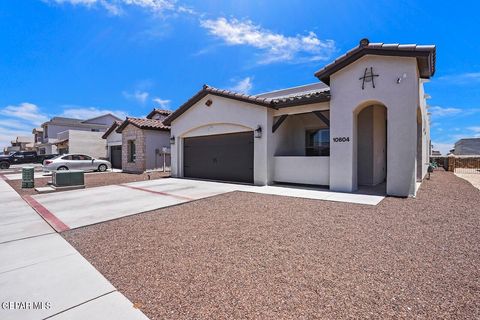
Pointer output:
77, 208
43, 276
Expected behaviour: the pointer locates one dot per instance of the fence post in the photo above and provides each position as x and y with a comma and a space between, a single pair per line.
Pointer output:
451, 163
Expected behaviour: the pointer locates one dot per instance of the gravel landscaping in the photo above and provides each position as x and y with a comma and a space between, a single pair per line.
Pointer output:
252, 256
93, 179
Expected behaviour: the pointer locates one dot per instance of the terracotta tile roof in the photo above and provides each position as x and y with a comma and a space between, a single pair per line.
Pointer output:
425, 54
114, 125
142, 123
274, 103
158, 111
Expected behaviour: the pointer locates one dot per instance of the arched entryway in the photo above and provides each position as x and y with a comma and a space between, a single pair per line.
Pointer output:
371, 146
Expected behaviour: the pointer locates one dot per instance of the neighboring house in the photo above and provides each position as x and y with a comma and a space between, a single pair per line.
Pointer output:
436, 153
145, 142
21, 143
51, 139
467, 147
81, 142
332, 133
114, 145
38, 140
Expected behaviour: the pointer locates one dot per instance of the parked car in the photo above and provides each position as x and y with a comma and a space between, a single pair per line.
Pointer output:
76, 162
20, 157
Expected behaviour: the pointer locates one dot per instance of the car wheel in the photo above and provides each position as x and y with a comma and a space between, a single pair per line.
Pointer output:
62, 168
4, 165
102, 167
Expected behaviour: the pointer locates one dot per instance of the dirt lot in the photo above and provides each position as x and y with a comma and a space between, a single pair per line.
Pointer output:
254, 256
94, 179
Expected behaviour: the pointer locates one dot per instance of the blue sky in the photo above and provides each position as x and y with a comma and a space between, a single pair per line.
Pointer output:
80, 58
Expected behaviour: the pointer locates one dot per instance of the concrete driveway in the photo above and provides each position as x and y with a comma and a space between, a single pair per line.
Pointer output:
76, 208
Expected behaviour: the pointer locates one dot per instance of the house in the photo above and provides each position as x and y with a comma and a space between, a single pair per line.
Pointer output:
114, 145
364, 124
21, 143
145, 142
60, 135
467, 147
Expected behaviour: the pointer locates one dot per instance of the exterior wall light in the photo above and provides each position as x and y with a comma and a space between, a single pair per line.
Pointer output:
258, 132
172, 140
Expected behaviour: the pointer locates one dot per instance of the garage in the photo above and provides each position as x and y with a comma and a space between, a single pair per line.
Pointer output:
226, 157
116, 157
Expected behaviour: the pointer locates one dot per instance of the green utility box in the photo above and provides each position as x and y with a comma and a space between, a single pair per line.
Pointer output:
68, 178
28, 177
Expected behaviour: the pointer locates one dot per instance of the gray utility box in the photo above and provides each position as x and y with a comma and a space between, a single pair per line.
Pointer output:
68, 178
28, 177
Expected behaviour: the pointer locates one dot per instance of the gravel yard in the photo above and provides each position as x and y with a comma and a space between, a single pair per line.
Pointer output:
93, 179
252, 256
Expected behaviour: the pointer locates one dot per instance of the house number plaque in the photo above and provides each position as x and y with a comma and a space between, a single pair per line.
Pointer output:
341, 139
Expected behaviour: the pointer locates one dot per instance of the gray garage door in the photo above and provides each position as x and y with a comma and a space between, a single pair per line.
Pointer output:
116, 157
227, 157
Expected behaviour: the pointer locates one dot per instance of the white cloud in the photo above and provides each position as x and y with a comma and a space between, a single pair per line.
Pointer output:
140, 96
162, 103
275, 47
437, 111
476, 131
443, 147
27, 112
243, 86
462, 78
79, 112
19, 120
116, 7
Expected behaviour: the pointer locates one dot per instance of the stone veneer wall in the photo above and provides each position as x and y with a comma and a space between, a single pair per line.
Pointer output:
133, 133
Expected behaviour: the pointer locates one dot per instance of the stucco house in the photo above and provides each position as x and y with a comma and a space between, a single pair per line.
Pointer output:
364, 124
63, 135
145, 142
114, 144
467, 147
21, 143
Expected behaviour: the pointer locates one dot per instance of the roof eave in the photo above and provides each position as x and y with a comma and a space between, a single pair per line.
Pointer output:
427, 54
203, 93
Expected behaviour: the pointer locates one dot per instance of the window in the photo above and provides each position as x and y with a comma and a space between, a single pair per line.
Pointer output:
317, 142
67, 158
131, 151
95, 130
80, 157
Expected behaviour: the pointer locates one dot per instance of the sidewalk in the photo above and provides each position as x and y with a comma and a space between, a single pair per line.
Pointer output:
43, 276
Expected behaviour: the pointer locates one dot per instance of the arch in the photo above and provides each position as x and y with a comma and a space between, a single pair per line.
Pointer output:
367, 103
370, 147
215, 128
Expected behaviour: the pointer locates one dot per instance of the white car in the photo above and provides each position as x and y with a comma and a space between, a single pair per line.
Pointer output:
75, 162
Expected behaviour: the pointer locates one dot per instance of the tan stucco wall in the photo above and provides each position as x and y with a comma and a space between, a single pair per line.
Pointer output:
225, 116
87, 142
401, 100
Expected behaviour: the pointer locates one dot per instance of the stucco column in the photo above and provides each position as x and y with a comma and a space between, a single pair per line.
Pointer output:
401, 150
342, 153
